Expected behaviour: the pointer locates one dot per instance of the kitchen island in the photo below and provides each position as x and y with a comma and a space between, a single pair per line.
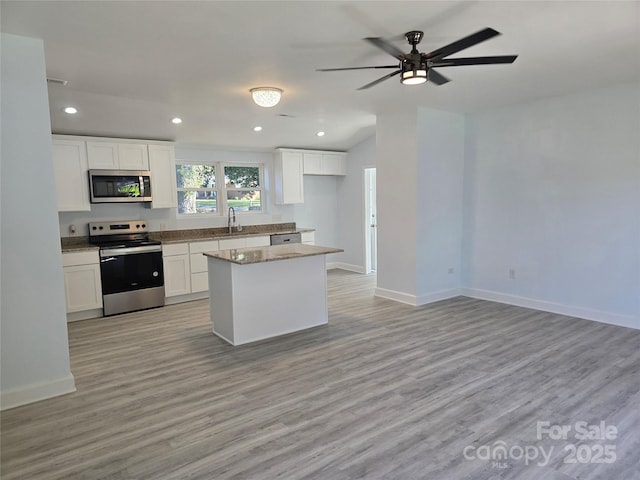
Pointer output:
258, 293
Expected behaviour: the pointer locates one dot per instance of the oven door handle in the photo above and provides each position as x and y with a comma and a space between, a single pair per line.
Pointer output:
115, 252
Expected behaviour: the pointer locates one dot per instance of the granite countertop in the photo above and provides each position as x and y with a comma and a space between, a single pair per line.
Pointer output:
79, 244
247, 256
196, 236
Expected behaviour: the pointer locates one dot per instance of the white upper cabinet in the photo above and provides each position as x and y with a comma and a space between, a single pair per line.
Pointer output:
72, 181
117, 156
162, 164
288, 176
325, 163
133, 156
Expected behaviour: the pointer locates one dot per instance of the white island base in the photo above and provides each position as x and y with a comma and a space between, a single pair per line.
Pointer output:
254, 301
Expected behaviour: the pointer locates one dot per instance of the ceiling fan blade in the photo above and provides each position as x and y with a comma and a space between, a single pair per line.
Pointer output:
353, 68
382, 44
435, 77
453, 62
381, 79
463, 43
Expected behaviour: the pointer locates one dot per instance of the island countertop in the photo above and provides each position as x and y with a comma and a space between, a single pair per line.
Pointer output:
247, 256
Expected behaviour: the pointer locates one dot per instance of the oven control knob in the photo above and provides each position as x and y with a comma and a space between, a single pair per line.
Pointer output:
94, 228
100, 227
143, 225
138, 225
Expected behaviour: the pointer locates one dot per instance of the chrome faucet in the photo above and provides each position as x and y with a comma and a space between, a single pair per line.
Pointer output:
231, 223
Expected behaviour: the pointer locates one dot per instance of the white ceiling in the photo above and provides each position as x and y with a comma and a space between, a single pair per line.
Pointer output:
132, 66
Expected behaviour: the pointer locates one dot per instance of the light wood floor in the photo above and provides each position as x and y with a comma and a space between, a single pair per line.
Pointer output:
384, 391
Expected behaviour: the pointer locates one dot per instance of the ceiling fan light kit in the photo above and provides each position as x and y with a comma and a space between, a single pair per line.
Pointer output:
418, 67
266, 96
412, 76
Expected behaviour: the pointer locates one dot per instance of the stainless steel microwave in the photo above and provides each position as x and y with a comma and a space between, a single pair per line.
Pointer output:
119, 186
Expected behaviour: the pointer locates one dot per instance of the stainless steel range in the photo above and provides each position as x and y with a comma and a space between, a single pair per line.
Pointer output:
130, 266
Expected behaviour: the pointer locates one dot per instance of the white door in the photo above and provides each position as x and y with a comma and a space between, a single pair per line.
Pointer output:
370, 220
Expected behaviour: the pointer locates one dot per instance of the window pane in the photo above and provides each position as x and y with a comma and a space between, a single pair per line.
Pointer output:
195, 176
244, 201
199, 201
242, 177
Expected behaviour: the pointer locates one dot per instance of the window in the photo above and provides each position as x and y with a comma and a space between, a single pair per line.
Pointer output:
242, 185
196, 189
201, 192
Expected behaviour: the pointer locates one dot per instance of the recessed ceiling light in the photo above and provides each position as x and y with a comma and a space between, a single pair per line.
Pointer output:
257, 128
176, 120
320, 134
71, 110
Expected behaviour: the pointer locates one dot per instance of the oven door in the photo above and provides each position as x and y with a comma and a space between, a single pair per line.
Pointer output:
129, 269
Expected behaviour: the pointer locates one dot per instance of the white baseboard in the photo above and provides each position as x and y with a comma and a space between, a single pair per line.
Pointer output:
189, 297
85, 315
36, 392
345, 266
569, 310
416, 300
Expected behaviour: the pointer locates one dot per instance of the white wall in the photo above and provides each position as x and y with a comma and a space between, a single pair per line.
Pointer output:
320, 209
35, 353
397, 201
350, 212
439, 211
552, 191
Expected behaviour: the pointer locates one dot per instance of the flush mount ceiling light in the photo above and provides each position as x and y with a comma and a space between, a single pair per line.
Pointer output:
266, 96
176, 120
257, 128
71, 110
320, 134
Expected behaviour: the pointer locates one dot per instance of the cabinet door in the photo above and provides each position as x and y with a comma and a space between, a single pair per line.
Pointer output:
70, 170
288, 177
83, 288
334, 164
313, 163
162, 164
133, 156
177, 275
199, 282
103, 155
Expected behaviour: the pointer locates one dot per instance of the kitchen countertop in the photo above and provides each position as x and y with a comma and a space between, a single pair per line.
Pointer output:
247, 256
79, 244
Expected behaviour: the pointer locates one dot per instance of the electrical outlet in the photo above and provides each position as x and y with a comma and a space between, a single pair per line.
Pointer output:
512, 273
72, 230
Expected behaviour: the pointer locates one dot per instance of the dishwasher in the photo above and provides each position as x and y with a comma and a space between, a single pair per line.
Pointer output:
285, 238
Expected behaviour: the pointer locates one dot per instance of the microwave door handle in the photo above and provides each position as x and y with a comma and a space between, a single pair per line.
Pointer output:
141, 180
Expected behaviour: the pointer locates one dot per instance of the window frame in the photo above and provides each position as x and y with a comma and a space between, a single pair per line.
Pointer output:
220, 187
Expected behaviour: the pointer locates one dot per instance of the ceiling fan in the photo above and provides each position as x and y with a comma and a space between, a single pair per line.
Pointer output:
416, 67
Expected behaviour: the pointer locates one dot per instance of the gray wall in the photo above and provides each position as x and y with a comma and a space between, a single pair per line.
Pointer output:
35, 353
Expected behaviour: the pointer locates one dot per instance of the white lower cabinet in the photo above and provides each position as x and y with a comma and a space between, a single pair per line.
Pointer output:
308, 237
198, 263
245, 242
83, 288
177, 272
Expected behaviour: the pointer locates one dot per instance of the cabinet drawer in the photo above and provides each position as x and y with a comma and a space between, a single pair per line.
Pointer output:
205, 246
199, 282
258, 241
80, 258
229, 243
308, 237
169, 249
